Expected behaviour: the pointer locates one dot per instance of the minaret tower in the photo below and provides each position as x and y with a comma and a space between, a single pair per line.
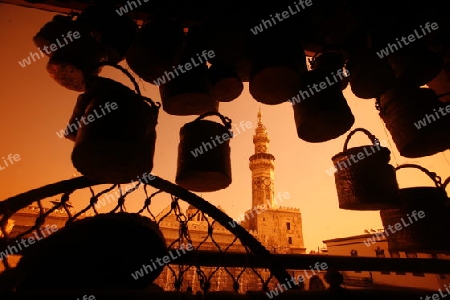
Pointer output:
262, 166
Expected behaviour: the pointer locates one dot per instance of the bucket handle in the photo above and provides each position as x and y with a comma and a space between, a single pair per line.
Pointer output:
135, 84
446, 182
436, 179
373, 138
226, 121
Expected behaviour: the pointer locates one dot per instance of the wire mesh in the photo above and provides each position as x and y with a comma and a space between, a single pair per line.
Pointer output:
190, 227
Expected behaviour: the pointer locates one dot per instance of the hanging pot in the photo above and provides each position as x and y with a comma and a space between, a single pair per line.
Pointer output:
189, 92
441, 83
321, 115
423, 218
204, 154
96, 86
230, 40
156, 48
278, 60
83, 102
75, 59
411, 115
370, 76
226, 84
66, 256
332, 62
54, 31
416, 63
117, 144
334, 23
113, 31
364, 178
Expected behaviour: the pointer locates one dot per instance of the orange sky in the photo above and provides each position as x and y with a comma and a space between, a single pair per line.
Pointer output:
33, 107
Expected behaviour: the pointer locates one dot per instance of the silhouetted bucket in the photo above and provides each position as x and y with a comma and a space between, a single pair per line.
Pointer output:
113, 31
441, 83
416, 64
189, 92
370, 76
323, 115
226, 84
204, 163
229, 40
155, 50
96, 86
117, 144
332, 62
58, 27
66, 253
278, 60
411, 114
426, 229
71, 64
364, 178
83, 102
333, 23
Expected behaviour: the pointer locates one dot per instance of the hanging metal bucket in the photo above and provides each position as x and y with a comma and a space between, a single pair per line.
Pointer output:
441, 83
332, 62
370, 76
189, 93
229, 40
96, 86
156, 48
416, 63
75, 59
117, 145
334, 23
323, 115
278, 60
364, 178
204, 163
142, 242
225, 83
423, 217
114, 32
411, 114
83, 102
58, 27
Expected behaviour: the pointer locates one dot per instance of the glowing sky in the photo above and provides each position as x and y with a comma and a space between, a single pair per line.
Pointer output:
33, 108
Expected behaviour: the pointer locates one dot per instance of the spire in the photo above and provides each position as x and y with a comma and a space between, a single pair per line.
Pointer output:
259, 117
261, 138
262, 167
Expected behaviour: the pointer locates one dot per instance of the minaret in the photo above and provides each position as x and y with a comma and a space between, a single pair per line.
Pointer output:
262, 166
